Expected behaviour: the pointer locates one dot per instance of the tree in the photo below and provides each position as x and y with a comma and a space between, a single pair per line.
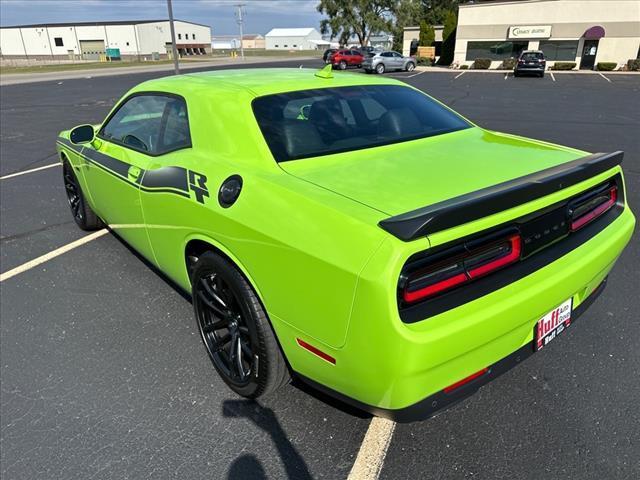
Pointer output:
359, 17
448, 38
407, 14
435, 11
427, 34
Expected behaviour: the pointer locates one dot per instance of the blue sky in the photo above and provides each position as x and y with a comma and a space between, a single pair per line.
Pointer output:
260, 15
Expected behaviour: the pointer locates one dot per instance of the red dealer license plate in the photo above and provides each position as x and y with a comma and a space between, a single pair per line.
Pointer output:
553, 324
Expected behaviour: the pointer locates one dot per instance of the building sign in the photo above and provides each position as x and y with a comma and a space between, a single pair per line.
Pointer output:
530, 31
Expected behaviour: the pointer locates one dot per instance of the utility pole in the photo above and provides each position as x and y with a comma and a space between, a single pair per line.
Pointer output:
240, 22
174, 49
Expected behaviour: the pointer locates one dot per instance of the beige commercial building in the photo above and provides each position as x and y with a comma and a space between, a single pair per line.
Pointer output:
253, 41
582, 31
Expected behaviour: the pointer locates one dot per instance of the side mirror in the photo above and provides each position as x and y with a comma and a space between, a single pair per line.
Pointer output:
82, 134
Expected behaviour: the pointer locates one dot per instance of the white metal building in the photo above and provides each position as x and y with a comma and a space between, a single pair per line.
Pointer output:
294, 39
584, 32
90, 40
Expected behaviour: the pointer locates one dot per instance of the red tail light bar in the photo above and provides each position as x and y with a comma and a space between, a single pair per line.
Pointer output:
462, 268
591, 208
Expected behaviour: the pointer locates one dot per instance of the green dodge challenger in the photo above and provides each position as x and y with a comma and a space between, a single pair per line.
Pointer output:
350, 231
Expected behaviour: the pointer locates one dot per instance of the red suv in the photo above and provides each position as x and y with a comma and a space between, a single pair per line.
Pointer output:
347, 58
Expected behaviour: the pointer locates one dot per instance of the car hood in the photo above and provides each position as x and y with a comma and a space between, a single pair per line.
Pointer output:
401, 177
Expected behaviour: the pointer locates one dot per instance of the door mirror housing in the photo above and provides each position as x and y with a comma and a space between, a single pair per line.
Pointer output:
82, 134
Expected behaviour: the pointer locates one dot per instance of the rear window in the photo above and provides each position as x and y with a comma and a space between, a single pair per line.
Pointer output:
313, 123
532, 56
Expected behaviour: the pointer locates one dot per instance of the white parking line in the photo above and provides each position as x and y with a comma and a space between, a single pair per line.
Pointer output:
506, 75
552, 77
24, 172
604, 77
54, 253
415, 74
460, 74
373, 450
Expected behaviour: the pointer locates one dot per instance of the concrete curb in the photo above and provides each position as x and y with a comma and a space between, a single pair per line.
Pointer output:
555, 72
20, 78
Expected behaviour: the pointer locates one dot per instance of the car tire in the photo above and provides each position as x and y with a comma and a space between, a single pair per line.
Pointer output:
359, 66
541, 75
82, 213
410, 67
342, 65
380, 68
368, 70
233, 323
515, 73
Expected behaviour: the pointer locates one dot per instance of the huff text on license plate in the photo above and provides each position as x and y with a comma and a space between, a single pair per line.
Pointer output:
553, 324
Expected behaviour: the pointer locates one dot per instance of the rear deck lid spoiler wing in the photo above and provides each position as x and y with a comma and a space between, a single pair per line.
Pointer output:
487, 201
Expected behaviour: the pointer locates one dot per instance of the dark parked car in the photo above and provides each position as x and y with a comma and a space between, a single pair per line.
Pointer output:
530, 61
347, 58
326, 57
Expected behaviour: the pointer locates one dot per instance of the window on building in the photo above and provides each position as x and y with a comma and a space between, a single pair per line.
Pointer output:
127, 44
495, 50
193, 35
294, 46
276, 46
179, 36
286, 46
58, 42
559, 50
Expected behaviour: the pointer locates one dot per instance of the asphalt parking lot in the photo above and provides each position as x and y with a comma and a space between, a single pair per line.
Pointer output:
103, 374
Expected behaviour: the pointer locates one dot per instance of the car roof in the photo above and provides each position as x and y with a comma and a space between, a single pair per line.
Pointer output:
531, 51
259, 81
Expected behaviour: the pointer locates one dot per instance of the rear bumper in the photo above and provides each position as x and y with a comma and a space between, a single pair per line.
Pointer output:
530, 68
398, 370
442, 400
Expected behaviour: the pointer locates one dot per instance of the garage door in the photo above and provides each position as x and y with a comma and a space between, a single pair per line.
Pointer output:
92, 49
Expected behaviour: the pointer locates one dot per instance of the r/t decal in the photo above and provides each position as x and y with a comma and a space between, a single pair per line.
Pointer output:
198, 185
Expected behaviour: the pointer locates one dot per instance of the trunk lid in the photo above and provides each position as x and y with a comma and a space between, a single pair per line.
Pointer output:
398, 178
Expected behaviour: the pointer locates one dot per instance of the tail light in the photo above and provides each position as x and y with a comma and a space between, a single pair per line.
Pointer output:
464, 264
586, 209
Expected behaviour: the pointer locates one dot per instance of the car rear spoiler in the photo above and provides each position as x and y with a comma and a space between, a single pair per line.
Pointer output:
487, 201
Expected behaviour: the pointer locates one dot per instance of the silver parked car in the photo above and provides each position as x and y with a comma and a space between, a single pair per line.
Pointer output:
381, 62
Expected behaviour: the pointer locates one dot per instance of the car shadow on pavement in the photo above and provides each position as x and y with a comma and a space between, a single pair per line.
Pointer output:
247, 465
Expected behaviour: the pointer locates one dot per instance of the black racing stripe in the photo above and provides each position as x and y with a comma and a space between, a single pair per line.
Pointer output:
167, 177
153, 181
113, 164
165, 190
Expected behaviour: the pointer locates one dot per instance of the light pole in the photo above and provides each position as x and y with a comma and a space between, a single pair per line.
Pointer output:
174, 49
240, 21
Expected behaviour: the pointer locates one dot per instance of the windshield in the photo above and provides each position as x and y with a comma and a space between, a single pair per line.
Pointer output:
312, 123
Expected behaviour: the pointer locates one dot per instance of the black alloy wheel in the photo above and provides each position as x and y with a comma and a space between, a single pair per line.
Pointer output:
84, 217
74, 196
235, 329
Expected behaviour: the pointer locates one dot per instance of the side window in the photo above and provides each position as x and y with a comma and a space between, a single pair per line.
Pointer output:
153, 124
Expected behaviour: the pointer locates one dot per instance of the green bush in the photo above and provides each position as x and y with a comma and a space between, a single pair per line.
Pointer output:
633, 64
425, 61
508, 64
606, 66
564, 66
464, 67
481, 63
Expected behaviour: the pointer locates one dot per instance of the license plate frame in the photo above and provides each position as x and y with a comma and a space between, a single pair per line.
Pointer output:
552, 324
